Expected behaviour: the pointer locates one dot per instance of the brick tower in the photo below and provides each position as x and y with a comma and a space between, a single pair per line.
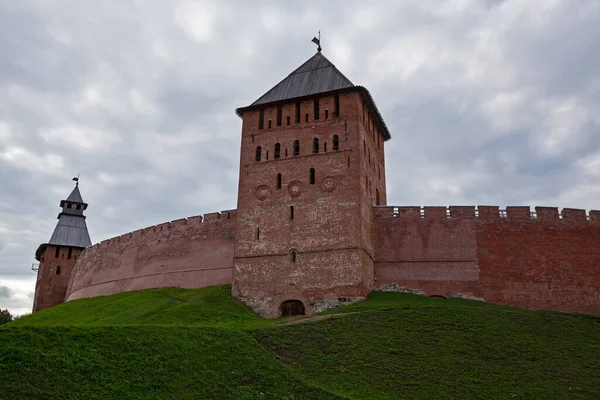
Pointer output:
311, 170
58, 256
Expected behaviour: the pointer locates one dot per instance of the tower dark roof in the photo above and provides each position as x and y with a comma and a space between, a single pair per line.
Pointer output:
71, 229
316, 76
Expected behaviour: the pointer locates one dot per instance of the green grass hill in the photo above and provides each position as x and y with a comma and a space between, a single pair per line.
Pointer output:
203, 344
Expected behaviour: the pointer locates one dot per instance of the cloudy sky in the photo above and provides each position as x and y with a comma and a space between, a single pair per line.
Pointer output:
488, 102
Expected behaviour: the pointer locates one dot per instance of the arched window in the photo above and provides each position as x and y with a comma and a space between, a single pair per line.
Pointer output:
277, 150
258, 151
315, 145
336, 143
293, 256
278, 181
312, 176
296, 147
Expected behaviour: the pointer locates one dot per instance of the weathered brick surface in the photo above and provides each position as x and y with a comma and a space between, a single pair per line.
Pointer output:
188, 253
51, 288
541, 265
545, 263
331, 232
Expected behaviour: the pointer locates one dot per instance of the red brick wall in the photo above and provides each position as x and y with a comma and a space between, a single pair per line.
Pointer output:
546, 263
332, 226
50, 287
188, 253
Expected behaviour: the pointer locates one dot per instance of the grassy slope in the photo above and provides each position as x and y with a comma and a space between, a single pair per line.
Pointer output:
172, 343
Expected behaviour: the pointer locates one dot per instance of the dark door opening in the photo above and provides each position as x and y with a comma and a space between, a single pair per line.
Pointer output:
291, 308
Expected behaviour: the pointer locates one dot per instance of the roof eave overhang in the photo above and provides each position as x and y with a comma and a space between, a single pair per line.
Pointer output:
361, 89
42, 247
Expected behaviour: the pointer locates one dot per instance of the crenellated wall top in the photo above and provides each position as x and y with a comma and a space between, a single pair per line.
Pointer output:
489, 213
204, 220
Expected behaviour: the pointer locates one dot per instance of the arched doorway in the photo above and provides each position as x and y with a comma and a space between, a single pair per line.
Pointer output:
291, 308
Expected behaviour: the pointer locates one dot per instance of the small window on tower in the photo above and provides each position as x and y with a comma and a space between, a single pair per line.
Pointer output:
58, 270
312, 176
269, 124
258, 153
325, 147
78, 207
278, 181
257, 233
261, 119
326, 114
293, 256
57, 252
70, 253
291, 212
297, 112
277, 150
279, 115
315, 145
336, 143
288, 120
296, 147
306, 117
316, 103
68, 205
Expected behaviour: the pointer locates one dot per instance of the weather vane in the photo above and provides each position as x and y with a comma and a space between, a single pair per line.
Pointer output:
76, 179
317, 42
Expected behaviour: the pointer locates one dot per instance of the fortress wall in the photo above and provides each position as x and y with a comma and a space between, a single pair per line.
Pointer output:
190, 253
420, 248
543, 260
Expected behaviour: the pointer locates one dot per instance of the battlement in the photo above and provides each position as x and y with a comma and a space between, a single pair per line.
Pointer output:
204, 220
489, 213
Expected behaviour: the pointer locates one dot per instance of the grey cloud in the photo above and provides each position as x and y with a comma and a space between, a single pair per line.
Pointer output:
5, 292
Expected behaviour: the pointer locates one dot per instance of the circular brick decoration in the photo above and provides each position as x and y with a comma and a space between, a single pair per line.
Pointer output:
328, 184
295, 188
262, 192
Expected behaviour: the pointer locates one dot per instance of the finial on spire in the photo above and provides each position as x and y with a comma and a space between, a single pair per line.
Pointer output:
76, 179
317, 42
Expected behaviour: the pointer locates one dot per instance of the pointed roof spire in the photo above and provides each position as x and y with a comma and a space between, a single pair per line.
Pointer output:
75, 196
71, 229
316, 75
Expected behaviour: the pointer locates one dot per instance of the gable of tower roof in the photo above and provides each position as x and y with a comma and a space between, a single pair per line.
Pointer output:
316, 75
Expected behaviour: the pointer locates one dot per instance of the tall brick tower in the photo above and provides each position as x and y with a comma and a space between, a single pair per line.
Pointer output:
58, 256
311, 170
